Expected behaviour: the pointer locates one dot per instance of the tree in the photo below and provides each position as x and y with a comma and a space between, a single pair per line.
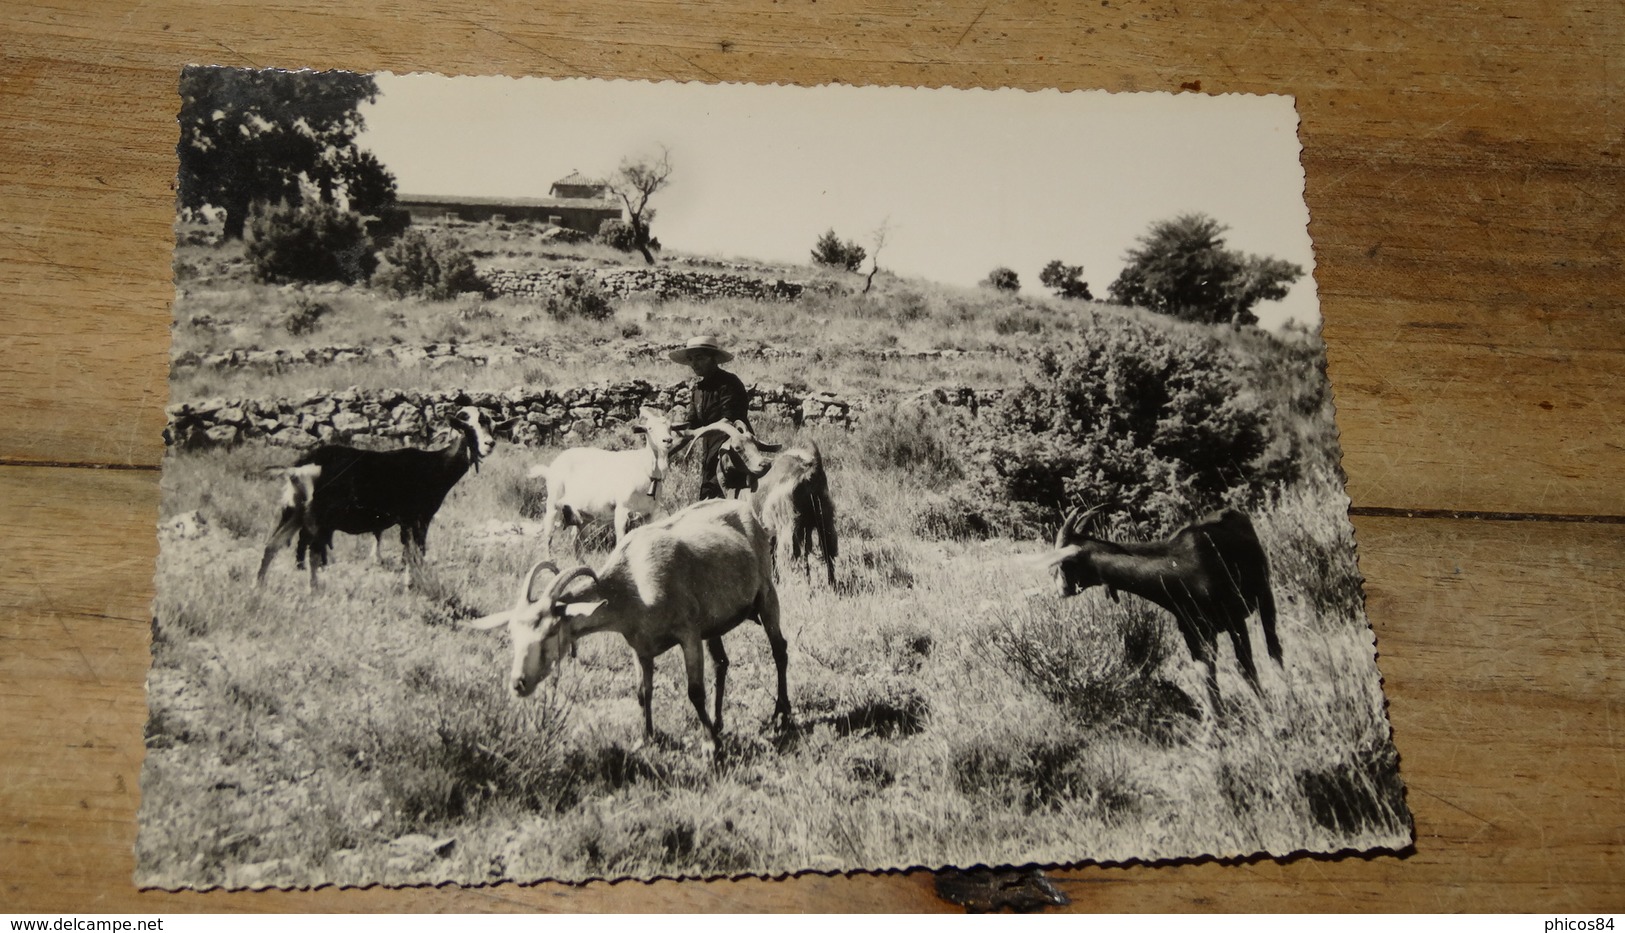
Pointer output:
1003, 279
879, 237
1067, 281
264, 136
830, 250
635, 182
1183, 269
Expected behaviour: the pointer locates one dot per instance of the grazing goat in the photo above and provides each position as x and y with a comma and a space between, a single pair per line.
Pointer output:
337, 488
741, 464
798, 490
1212, 574
587, 483
684, 581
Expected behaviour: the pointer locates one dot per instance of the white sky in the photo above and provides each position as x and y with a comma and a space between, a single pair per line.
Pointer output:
966, 179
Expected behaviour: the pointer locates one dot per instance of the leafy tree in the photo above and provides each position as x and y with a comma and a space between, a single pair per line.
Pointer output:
1183, 269
830, 250
262, 136
1066, 281
1003, 279
635, 182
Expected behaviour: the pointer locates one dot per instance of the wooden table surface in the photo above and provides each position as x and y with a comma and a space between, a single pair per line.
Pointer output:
1466, 178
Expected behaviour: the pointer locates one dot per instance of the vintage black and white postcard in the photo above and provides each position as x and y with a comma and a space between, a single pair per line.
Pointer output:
585, 479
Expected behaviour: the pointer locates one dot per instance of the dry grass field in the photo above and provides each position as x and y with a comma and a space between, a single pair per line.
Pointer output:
951, 708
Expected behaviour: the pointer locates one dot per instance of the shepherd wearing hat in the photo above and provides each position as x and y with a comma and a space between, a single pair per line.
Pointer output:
714, 395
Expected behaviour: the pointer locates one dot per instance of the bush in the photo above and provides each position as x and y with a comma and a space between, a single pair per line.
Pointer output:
618, 234
831, 251
1003, 279
389, 224
307, 313
580, 296
909, 307
315, 243
1162, 425
431, 268
910, 439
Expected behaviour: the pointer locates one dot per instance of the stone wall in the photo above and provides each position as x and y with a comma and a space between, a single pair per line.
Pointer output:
660, 282
432, 355
389, 418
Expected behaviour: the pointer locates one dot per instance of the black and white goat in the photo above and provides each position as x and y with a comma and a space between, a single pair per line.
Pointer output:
793, 500
1212, 574
337, 488
740, 465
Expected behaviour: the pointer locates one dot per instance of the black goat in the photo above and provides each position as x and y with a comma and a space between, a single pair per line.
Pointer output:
1212, 574
808, 507
337, 488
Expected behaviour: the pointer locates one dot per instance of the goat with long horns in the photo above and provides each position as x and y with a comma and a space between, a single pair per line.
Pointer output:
1212, 574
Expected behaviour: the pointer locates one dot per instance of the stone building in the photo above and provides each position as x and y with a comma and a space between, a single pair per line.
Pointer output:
574, 201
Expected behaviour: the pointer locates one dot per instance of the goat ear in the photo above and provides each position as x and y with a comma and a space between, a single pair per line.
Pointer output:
639, 429
581, 610
491, 621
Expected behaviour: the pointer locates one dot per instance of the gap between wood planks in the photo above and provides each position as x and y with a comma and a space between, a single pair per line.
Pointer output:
1364, 511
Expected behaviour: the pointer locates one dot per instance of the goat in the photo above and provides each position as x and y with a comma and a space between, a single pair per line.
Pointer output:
337, 488
1212, 574
740, 465
684, 581
589, 483
798, 490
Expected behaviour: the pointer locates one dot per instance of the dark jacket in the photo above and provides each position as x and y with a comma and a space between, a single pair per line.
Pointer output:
721, 396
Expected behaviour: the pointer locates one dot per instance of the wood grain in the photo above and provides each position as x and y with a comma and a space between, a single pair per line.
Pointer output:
1466, 179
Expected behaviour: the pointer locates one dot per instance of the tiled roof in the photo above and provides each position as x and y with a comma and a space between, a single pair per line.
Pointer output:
452, 200
576, 178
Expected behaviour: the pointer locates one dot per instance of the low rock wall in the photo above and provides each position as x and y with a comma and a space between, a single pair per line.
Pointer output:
389, 418
482, 354
661, 282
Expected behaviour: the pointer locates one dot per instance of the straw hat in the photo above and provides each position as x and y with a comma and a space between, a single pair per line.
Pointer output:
705, 343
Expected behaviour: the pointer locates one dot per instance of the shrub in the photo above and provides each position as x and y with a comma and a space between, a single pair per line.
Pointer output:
315, 243
431, 268
911, 439
389, 224
1104, 671
307, 313
580, 296
831, 251
1003, 279
1161, 424
1018, 320
909, 307
618, 234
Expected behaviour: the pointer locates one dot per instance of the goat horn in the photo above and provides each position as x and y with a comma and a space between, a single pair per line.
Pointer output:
722, 426
529, 581
566, 578
1075, 522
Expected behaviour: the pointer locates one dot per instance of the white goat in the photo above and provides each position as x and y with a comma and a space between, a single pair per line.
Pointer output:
684, 581
588, 483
